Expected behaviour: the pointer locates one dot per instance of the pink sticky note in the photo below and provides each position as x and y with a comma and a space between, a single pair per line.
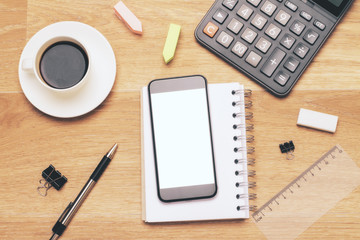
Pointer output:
131, 21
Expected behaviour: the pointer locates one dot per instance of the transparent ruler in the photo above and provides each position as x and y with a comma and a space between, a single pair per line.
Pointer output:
309, 196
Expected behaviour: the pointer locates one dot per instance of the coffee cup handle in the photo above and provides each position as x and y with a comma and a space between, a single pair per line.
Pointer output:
27, 64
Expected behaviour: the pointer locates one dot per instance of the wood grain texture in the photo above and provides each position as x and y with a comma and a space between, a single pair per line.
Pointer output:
13, 38
31, 140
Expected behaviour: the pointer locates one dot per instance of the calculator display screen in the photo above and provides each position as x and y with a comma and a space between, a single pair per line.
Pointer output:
335, 7
336, 2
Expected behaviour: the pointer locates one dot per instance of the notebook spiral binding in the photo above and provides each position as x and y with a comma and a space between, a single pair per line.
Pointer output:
244, 103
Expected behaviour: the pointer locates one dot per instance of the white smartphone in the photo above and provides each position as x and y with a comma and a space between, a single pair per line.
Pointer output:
181, 129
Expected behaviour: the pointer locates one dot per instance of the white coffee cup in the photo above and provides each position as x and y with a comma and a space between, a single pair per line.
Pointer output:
61, 64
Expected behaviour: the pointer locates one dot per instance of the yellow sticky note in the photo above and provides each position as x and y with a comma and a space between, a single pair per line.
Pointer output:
171, 42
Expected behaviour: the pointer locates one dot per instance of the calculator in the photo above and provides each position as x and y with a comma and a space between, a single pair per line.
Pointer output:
271, 41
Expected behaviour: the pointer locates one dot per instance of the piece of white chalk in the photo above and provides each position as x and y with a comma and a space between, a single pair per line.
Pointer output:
317, 120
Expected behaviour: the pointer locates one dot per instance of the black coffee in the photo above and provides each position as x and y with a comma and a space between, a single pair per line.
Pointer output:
63, 65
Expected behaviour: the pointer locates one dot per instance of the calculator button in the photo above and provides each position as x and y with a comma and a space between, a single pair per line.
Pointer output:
287, 41
306, 16
281, 78
255, 3
258, 21
239, 49
282, 17
301, 50
249, 35
268, 8
230, 4
319, 25
210, 29
291, 64
220, 16
273, 31
311, 36
244, 12
273, 62
225, 39
235, 26
253, 59
297, 27
263, 45
291, 6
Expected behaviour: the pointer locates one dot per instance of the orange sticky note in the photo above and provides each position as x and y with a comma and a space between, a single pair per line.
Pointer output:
131, 21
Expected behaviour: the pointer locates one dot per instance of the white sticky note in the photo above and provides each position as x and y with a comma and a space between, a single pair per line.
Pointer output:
317, 120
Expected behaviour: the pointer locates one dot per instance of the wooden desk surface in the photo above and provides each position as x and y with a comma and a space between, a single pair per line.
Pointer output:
31, 140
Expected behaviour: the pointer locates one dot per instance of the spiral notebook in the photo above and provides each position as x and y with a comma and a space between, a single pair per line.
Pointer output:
228, 122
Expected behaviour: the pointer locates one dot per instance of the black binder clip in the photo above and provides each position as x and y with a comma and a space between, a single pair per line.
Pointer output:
288, 148
51, 178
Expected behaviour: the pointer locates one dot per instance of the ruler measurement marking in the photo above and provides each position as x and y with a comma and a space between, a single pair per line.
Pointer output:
295, 181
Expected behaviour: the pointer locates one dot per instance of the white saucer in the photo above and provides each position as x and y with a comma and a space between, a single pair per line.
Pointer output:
94, 91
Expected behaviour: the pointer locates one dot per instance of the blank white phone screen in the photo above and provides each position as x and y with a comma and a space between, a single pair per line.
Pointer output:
182, 138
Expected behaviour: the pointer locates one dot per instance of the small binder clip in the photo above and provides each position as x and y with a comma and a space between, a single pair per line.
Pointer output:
288, 148
51, 178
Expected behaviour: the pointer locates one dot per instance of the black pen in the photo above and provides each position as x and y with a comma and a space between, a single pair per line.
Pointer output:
73, 207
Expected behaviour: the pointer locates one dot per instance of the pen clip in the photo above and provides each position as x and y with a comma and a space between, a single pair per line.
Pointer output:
65, 212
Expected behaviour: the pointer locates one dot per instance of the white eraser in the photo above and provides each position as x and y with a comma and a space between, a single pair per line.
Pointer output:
317, 120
